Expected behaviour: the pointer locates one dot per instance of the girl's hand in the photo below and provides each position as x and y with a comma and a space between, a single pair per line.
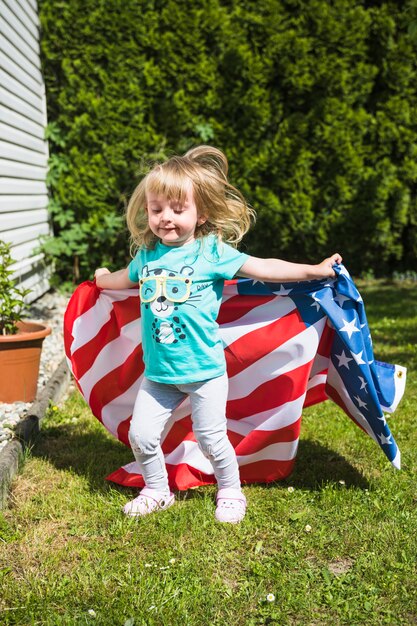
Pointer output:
325, 268
101, 271
113, 280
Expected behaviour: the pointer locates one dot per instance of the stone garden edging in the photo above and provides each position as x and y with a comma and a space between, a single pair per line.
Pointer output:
28, 428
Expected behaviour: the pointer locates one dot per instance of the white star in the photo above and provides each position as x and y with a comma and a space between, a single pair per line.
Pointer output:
343, 271
358, 358
384, 439
340, 299
383, 420
361, 403
343, 359
363, 382
255, 280
349, 327
282, 291
316, 301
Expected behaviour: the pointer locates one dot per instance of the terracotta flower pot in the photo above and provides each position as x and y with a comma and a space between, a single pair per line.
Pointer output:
20, 357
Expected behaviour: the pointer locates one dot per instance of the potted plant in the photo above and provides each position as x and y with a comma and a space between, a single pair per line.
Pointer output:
20, 340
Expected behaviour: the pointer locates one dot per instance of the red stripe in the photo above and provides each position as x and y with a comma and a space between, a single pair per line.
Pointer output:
181, 430
183, 476
244, 444
271, 394
122, 313
123, 431
257, 440
116, 382
256, 344
237, 306
326, 341
83, 299
266, 471
122, 477
315, 395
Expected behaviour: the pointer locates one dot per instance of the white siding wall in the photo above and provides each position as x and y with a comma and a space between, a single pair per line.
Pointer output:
23, 149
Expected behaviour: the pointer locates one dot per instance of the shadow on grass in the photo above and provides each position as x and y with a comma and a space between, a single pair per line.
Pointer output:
95, 455
91, 453
316, 465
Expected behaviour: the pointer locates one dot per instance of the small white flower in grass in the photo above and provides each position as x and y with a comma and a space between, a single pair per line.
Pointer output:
290, 489
172, 561
307, 528
92, 612
342, 482
148, 564
152, 607
270, 597
164, 568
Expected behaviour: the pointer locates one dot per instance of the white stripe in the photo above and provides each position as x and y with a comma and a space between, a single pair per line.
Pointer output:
180, 412
319, 379
400, 376
188, 452
285, 451
258, 317
295, 352
112, 355
335, 381
320, 364
229, 291
87, 325
121, 408
118, 410
69, 364
271, 420
396, 462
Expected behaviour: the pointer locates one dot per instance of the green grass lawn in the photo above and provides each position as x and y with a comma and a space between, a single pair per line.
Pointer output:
335, 543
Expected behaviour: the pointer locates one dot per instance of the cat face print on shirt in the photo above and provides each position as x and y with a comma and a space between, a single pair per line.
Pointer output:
165, 292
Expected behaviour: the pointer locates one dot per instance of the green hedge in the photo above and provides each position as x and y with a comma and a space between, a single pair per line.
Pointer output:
313, 101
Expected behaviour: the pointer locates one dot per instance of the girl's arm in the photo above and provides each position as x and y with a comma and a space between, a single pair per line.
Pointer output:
113, 280
276, 270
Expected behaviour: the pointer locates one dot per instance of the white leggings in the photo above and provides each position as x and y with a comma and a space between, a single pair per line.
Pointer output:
153, 407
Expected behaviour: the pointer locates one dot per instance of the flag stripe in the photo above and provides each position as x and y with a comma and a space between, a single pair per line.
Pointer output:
111, 330
260, 342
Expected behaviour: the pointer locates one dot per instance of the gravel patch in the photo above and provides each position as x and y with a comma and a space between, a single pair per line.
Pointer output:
48, 309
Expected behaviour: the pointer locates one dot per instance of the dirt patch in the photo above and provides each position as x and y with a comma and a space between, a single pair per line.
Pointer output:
338, 567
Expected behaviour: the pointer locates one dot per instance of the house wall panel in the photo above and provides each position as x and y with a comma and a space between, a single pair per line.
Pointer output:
23, 150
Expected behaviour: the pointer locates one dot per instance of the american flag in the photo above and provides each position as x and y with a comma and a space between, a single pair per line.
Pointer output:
287, 346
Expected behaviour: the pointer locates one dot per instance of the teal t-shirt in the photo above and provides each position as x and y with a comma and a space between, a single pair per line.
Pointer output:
181, 291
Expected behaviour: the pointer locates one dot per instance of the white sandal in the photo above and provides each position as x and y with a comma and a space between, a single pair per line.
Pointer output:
148, 501
231, 506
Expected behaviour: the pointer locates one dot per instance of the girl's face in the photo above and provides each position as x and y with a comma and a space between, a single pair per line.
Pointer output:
173, 223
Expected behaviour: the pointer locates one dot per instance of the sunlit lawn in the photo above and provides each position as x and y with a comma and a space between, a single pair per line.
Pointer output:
335, 543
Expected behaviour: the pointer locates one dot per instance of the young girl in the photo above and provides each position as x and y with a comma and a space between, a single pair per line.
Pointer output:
180, 217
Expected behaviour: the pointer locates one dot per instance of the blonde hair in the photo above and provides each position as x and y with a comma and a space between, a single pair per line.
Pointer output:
227, 212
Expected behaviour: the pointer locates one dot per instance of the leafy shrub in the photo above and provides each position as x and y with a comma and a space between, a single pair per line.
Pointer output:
314, 104
12, 297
